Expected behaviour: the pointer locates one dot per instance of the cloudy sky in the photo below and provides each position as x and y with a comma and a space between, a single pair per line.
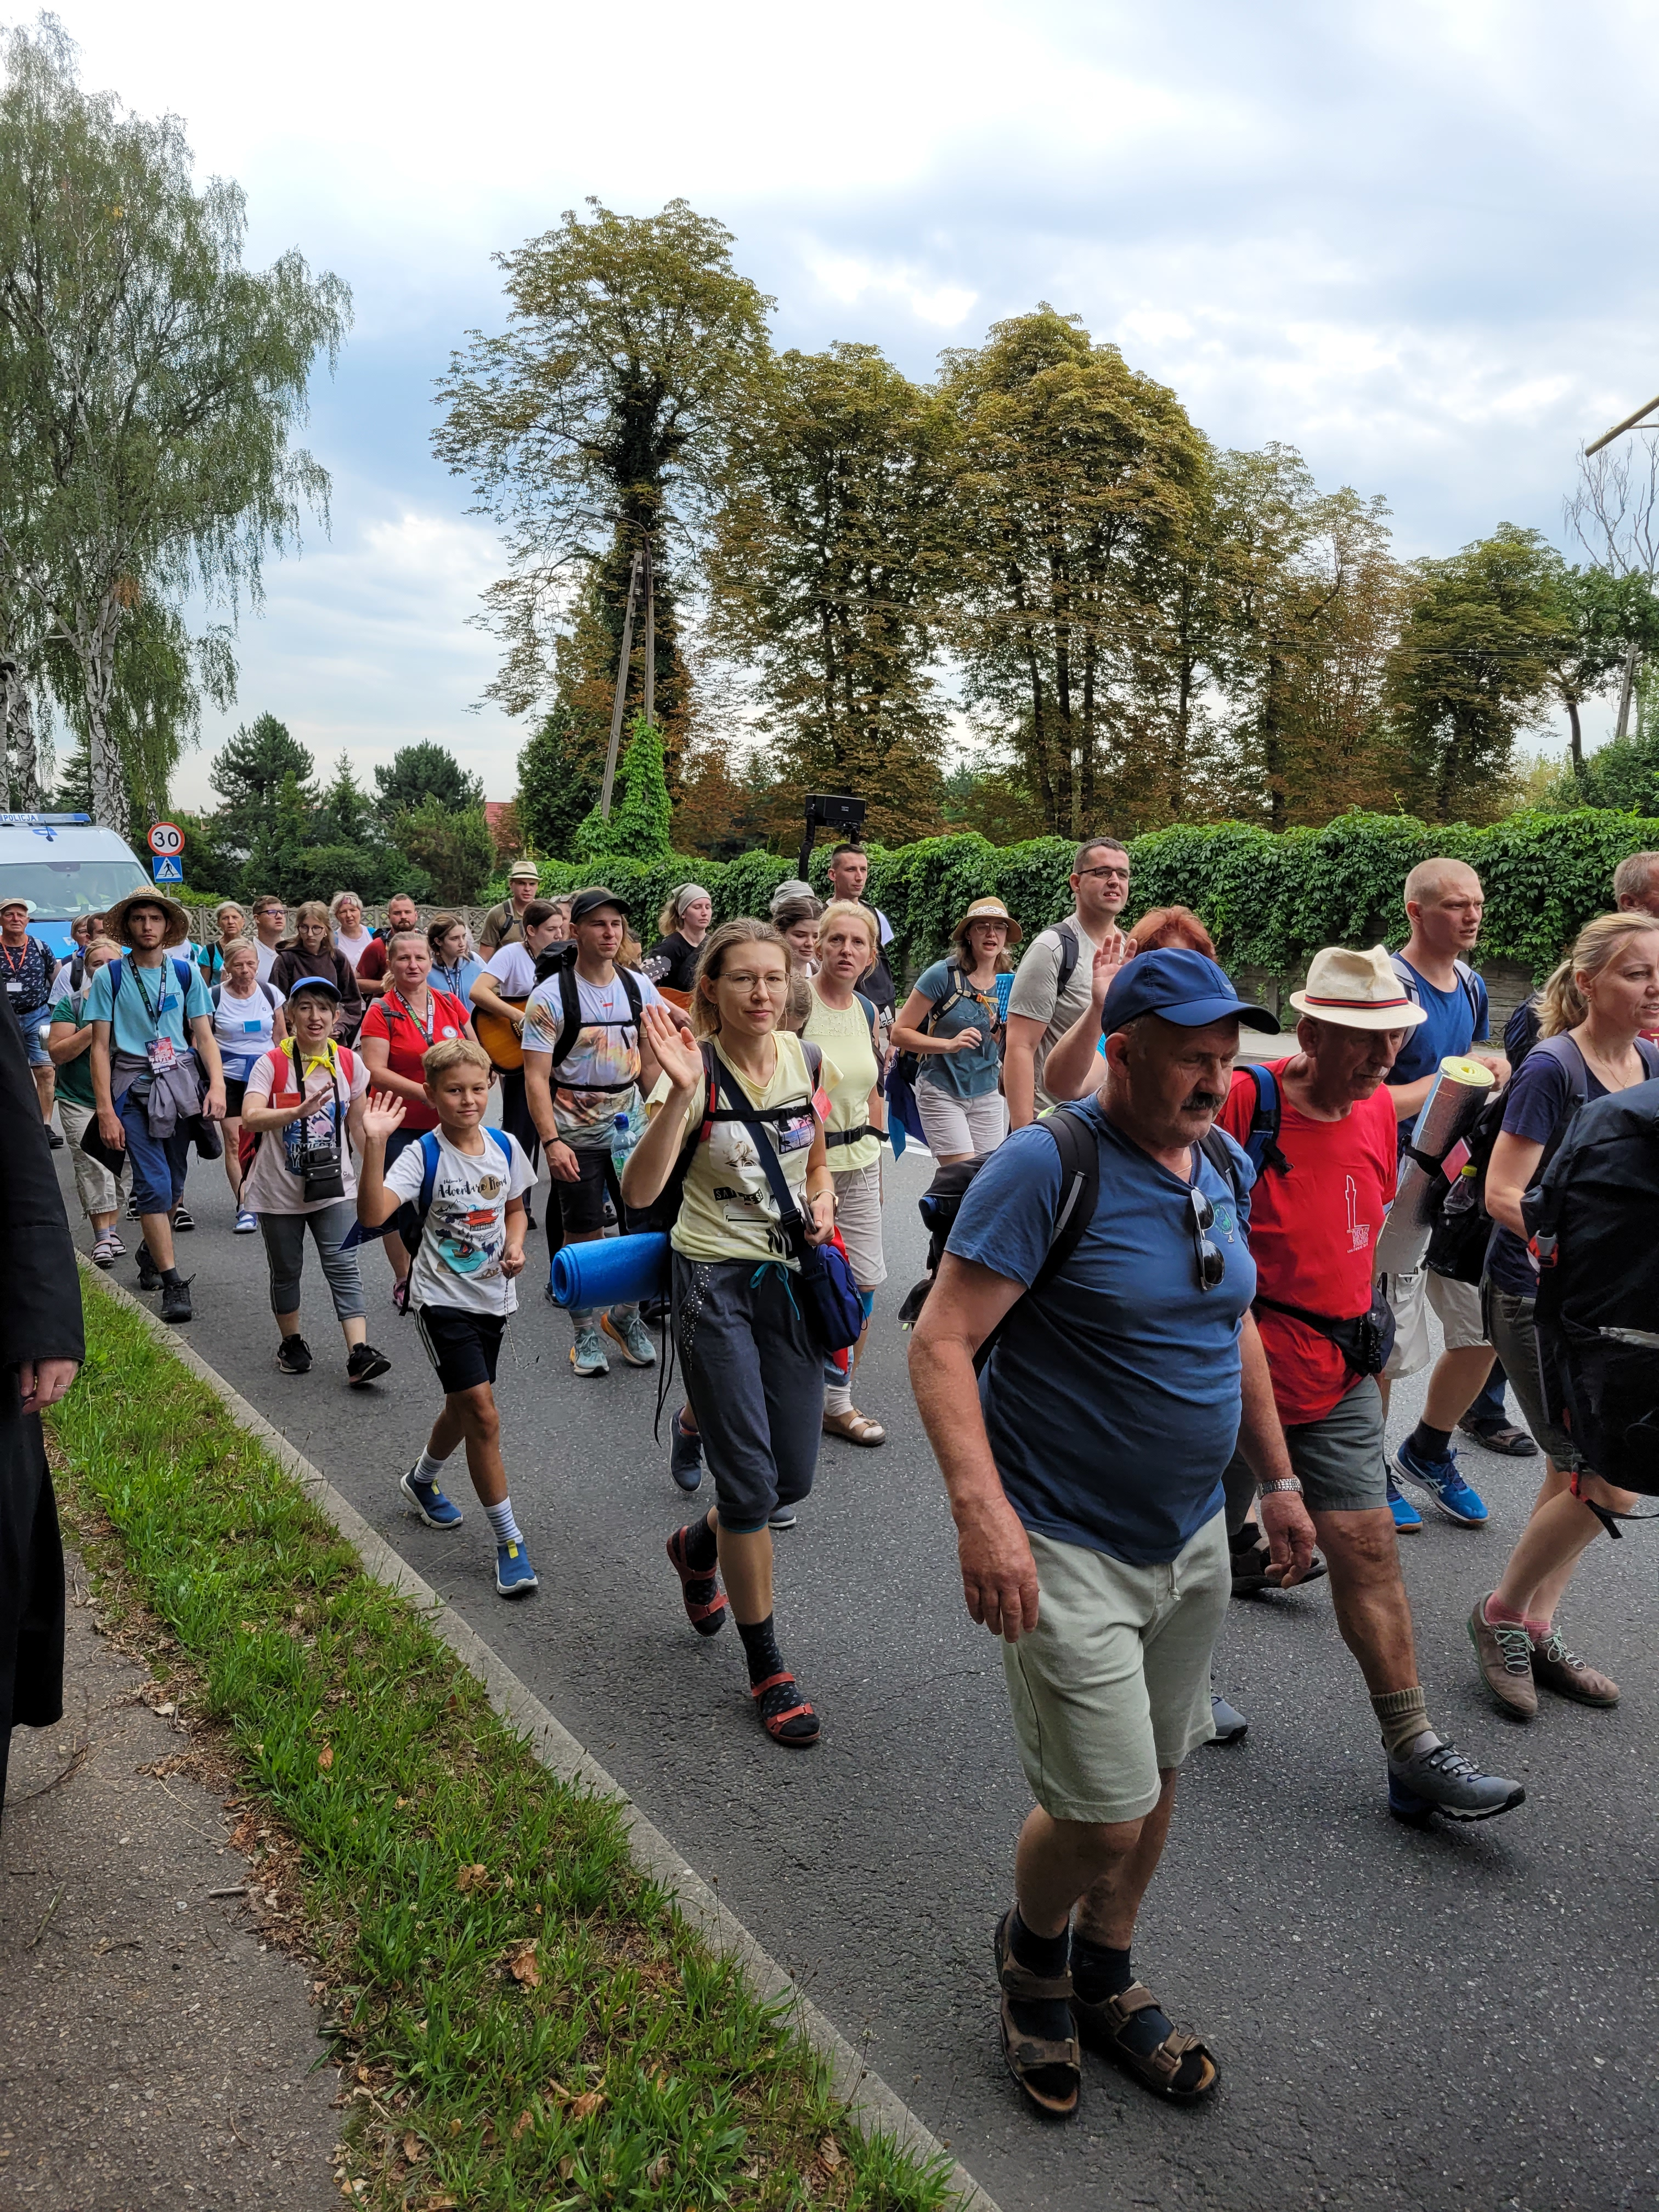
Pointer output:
1413, 240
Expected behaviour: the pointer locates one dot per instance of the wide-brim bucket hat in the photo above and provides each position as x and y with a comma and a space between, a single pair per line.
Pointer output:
987, 910
115, 918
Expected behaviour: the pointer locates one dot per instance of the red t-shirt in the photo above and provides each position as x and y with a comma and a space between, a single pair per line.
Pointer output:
1313, 1235
407, 1041
372, 963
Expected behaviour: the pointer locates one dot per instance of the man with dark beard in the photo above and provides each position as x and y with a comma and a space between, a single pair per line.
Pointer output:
40, 1348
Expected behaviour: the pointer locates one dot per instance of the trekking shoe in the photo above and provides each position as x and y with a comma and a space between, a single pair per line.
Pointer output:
245, 1223
149, 1275
1555, 1667
175, 1301
587, 1353
686, 1457
1440, 1478
1502, 1437
103, 1253
514, 1576
429, 1502
1442, 1779
781, 1516
1504, 1652
293, 1356
1230, 1725
366, 1364
183, 1219
1408, 1520
631, 1339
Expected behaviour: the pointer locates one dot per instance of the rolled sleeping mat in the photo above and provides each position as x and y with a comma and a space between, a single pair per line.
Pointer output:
609, 1271
1461, 1088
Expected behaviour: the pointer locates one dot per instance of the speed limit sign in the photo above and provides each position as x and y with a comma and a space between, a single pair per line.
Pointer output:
167, 840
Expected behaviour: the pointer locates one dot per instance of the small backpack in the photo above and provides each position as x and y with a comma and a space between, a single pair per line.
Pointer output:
561, 961
1594, 1218
1410, 983
1262, 1144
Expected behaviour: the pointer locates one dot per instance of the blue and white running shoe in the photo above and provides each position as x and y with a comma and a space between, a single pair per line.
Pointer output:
429, 1502
1440, 1478
1408, 1520
514, 1576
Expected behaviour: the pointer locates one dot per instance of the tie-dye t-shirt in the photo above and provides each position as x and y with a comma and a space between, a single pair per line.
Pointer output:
598, 1077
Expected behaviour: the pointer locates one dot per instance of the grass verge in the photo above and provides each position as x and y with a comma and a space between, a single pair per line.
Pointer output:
528, 2022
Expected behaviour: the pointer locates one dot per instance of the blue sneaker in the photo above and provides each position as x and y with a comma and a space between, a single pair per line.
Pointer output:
1408, 1520
429, 1502
1440, 1478
514, 1576
685, 1457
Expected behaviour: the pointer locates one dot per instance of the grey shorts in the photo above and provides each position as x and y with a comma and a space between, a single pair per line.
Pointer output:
1508, 1324
755, 1382
1339, 1460
858, 1217
1111, 1690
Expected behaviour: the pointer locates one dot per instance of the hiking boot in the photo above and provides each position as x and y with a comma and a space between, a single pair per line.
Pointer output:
587, 1353
1408, 1520
175, 1301
685, 1457
630, 1338
1555, 1667
1441, 1479
1440, 1778
1504, 1651
293, 1356
365, 1364
149, 1275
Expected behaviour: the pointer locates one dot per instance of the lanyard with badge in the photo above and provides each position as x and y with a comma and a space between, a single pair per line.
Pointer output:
17, 962
159, 1051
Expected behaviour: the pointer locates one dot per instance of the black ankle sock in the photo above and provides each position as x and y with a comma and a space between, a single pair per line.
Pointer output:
702, 1547
760, 1646
1429, 1444
1049, 2018
1099, 1972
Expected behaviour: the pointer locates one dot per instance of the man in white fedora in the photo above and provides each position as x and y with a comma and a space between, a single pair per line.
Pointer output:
1327, 1333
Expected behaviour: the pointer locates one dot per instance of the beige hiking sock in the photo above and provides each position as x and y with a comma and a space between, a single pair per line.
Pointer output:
1404, 1715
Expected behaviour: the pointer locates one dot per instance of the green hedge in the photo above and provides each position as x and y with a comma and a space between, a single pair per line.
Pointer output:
1270, 901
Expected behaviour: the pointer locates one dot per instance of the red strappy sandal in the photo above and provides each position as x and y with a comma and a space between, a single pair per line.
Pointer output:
776, 1712
707, 1619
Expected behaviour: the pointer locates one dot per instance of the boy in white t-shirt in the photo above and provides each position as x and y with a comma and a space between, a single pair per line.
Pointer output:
461, 1285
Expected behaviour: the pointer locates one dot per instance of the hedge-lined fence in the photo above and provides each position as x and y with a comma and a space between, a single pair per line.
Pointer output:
1269, 901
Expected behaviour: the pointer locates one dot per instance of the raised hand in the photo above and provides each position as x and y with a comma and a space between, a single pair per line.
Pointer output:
1103, 971
383, 1115
678, 1055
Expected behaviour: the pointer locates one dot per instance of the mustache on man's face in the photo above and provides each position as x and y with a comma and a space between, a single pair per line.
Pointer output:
1202, 1101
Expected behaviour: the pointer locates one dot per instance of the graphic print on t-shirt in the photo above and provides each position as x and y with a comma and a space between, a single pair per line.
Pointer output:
460, 1260
596, 1079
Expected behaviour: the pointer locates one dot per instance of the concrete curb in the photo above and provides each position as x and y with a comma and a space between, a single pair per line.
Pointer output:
867, 2097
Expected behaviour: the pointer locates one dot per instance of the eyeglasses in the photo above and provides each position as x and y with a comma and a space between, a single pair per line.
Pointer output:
1212, 1264
777, 985
1121, 873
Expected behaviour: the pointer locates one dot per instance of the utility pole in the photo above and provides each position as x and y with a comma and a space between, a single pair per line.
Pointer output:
622, 689
1632, 657
1619, 429
650, 638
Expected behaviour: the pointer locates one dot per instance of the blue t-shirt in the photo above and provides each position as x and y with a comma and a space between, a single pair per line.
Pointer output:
969, 1074
149, 1003
1112, 1397
1454, 1025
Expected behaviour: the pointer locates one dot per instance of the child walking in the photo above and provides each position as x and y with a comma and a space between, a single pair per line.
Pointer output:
461, 1194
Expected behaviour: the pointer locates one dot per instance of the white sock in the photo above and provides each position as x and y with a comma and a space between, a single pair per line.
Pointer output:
508, 1530
837, 1397
428, 1469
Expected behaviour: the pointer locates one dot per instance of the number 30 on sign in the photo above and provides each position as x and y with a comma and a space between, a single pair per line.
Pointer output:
167, 840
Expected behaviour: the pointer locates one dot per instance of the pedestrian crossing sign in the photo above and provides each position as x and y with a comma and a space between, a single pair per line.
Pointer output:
167, 868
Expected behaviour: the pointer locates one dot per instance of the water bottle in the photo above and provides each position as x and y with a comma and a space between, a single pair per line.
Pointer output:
621, 1142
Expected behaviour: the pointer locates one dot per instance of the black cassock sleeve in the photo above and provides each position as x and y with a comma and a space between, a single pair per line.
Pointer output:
40, 1307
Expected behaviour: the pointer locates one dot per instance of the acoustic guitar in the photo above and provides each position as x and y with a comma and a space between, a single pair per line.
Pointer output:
499, 1037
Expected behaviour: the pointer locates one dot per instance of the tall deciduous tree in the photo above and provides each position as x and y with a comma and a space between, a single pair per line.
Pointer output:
1602, 619
836, 547
595, 425
148, 383
1472, 669
1074, 468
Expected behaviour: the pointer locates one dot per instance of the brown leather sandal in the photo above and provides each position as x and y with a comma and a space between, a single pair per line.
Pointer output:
855, 1427
1104, 2026
1030, 2055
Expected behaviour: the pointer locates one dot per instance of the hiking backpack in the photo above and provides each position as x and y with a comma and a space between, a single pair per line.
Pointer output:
1595, 1220
1410, 984
561, 961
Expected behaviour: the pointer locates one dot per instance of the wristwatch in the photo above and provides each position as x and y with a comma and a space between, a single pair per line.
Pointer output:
1284, 1482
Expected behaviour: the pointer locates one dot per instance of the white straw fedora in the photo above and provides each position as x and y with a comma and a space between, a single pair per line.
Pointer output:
1357, 991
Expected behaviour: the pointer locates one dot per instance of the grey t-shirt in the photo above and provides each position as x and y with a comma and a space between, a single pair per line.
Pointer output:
1033, 995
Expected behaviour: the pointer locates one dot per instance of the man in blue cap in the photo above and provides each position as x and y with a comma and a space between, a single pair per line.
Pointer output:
1084, 1478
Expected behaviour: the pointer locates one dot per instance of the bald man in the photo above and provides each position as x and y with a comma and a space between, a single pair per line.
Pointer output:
1444, 904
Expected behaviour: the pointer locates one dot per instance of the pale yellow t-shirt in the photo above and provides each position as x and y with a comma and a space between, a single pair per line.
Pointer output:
845, 1037
728, 1212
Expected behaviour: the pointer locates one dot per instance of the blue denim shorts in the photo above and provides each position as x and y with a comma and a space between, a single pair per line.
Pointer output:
159, 1163
34, 1035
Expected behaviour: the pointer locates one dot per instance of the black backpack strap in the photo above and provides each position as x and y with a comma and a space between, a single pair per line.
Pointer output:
1080, 1197
1071, 951
1216, 1150
753, 1117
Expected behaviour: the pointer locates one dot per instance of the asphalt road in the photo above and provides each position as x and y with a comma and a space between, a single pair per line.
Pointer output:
1442, 2019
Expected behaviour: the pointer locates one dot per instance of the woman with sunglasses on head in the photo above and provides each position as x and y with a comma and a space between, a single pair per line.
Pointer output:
754, 1375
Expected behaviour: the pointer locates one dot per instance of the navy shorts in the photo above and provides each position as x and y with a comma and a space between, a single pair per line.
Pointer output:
159, 1163
463, 1347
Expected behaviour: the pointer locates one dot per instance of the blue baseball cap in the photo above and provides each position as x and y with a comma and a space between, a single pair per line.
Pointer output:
1181, 987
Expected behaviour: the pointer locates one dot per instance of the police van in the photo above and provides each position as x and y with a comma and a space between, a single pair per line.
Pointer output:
67, 866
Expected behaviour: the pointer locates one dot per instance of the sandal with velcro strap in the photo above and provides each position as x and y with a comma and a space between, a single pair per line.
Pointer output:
1049, 2070
855, 1428
794, 1724
1105, 2026
705, 1615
